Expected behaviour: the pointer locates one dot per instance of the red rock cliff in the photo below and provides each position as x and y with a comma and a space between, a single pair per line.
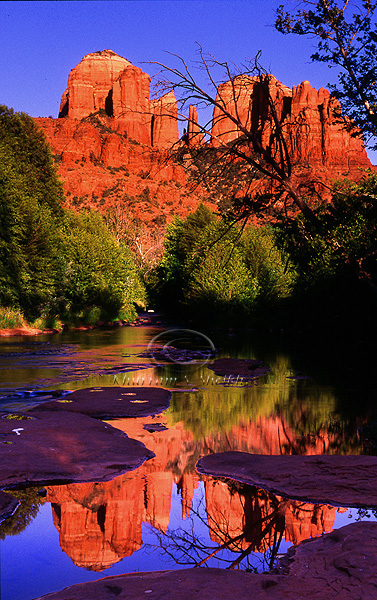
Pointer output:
111, 141
112, 146
313, 133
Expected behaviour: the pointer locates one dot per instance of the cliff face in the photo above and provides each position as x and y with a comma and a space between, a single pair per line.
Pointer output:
104, 81
101, 167
315, 138
90, 84
111, 142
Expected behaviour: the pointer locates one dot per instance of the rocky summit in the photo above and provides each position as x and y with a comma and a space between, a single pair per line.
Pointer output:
112, 141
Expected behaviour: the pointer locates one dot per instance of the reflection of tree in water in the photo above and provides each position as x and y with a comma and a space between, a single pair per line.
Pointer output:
308, 413
242, 527
30, 501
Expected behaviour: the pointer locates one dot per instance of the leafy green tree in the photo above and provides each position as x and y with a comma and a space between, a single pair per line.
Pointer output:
26, 144
331, 292
346, 38
211, 268
100, 279
30, 206
54, 261
218, 279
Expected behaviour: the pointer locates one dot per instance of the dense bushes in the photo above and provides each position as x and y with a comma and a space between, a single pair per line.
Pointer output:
100, 281
211, 271
54, 261
318, 276
335, 257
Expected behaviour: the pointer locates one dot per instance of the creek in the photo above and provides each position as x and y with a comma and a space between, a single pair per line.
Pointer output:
164, 515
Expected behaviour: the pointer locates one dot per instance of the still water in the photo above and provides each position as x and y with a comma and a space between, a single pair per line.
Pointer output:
164, 515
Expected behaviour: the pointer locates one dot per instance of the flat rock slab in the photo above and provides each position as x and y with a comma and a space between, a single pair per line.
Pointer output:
341, 565
62, 447
239, 369
113, 402
8, 504
336, 480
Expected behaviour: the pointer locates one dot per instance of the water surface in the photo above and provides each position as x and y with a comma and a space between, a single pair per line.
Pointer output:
164, 515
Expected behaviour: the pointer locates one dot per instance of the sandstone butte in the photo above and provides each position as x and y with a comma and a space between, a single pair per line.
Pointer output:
112, 143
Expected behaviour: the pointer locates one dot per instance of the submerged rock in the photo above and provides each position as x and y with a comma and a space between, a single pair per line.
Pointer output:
238, 369
113, 402
184, 356
341, 565
338, 480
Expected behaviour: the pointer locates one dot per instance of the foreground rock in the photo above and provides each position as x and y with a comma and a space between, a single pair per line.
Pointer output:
338, 480
57, 447
341, 565
113, 402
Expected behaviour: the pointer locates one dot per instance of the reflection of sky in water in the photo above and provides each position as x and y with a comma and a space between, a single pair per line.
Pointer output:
288, 415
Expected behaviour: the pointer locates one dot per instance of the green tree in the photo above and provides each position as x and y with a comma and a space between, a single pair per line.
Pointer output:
330, 291
30, 207
54, 261
346, 38
100, 279
212, 269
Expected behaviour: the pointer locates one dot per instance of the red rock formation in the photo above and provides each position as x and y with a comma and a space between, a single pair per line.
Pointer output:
164, 121
195, 136
130, 97
106, 82
314, 137
100, 168
112, 146
90, 84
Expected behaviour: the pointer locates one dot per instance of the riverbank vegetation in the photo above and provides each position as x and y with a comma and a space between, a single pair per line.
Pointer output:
317, 278
59, 267
309, 266
214, 271
56, 266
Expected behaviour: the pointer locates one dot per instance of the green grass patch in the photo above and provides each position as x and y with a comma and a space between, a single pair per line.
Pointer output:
15, 417
11, 318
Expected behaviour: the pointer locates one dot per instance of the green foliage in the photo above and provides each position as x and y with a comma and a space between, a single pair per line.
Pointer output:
10, 318
53, 262
100, 278
347, 40
336, 256
30, 205
345, 233
212, 270
30, 502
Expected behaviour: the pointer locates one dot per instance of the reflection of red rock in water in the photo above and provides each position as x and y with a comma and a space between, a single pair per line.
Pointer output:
99, 524
232, 513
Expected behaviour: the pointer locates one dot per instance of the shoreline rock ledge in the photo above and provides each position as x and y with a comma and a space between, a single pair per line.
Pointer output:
341, 565
324, 479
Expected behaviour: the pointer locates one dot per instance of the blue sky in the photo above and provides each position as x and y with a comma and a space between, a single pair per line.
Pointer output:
42, 41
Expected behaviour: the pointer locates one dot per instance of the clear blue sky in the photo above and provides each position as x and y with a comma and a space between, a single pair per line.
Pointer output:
42, 41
